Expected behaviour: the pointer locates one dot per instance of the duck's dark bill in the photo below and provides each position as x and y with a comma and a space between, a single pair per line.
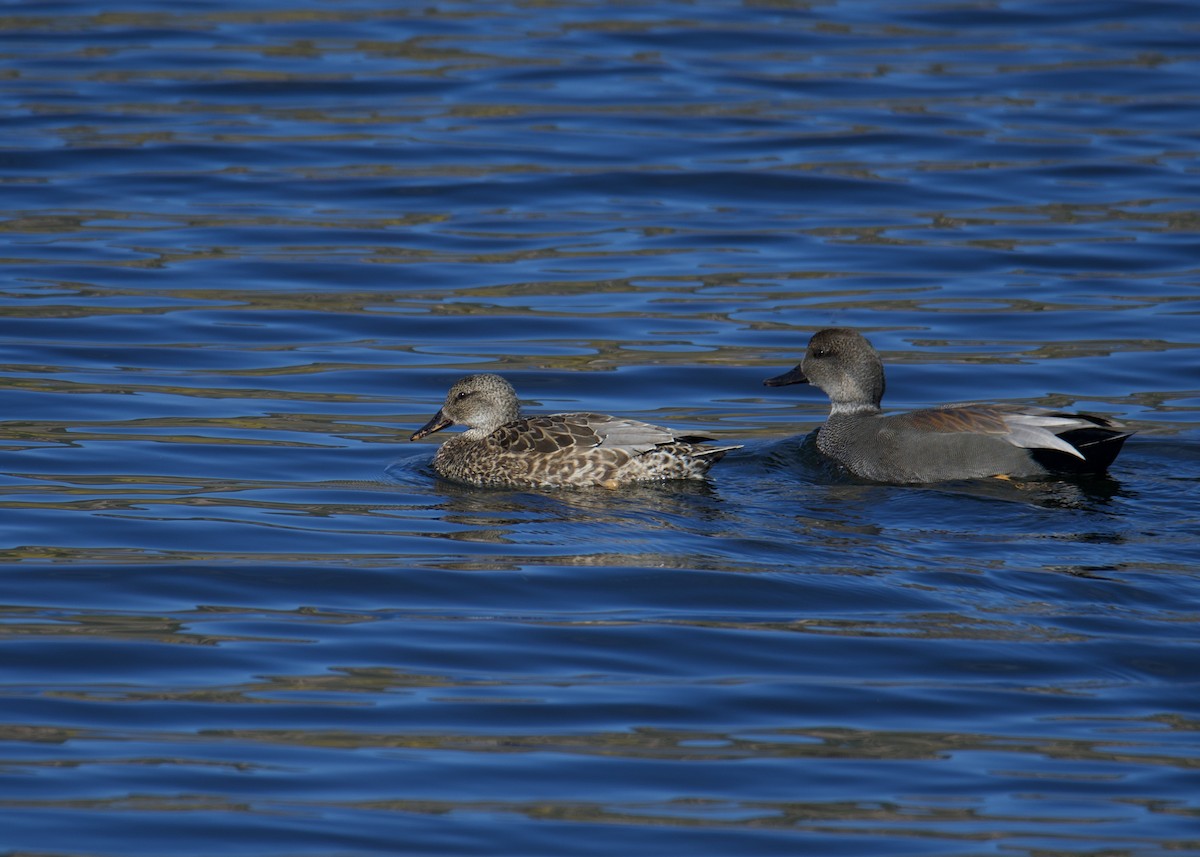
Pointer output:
436, 423
795, 376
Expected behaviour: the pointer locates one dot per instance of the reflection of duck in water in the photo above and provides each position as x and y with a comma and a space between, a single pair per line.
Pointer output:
934, 444
502, 449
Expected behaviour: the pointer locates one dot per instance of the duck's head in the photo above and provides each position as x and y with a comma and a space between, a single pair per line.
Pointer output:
842, 363
483, 403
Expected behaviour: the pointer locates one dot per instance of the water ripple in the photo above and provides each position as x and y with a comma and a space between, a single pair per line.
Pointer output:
249, 248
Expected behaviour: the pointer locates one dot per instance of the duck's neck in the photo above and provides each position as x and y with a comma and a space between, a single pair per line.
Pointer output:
857, 408
858, 394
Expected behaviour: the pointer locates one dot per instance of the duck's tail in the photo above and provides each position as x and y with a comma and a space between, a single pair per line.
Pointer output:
1097, 446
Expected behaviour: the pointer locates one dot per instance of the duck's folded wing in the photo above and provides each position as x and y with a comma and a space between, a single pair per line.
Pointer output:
554, 432
622, 433
1027, 428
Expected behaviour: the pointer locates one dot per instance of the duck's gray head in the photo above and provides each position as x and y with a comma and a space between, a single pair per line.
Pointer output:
843, 364
483, 403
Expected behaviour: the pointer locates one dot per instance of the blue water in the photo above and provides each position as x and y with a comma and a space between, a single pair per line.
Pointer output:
246, 250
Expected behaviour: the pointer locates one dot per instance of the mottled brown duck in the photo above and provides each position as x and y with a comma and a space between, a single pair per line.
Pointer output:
502, 449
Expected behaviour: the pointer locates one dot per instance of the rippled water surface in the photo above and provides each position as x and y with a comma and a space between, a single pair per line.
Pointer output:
246, 249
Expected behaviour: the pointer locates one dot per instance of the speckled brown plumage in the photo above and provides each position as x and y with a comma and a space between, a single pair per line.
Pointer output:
935, 444
502, 449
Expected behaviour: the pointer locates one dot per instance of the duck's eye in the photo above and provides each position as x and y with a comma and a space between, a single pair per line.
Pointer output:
820, 352
464, 394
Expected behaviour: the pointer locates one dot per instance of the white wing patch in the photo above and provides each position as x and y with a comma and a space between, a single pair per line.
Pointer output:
1037, 431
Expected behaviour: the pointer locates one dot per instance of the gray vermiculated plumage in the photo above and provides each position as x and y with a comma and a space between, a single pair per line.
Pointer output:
502, 449
936, 444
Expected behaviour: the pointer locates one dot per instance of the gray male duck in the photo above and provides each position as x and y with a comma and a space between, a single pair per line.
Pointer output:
502, 449
936, 444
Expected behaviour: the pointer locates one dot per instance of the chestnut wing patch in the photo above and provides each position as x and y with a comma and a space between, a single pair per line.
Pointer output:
958, 419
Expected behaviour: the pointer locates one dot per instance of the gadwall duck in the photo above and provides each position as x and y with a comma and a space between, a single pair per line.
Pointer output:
935, 444
502, 449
